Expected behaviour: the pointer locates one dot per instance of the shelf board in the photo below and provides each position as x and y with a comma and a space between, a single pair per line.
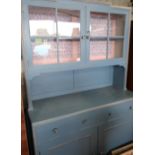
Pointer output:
49, 38
54, 38
98, 38
65, 38
116, 37
106, 38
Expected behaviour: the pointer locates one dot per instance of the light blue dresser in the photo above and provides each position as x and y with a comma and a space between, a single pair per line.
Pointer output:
75, 64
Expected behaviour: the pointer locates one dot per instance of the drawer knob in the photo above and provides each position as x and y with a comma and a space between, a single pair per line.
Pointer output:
84, 121
109, 114
55, 130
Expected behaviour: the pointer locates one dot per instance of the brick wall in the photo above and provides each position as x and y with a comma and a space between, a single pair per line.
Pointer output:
113, 2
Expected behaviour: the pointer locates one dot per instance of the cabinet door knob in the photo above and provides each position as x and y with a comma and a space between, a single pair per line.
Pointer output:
55, 130
109, 114
87, 36
130, 107
84, 121
82, 37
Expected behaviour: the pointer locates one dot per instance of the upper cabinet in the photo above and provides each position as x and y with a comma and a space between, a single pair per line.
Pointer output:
72, 35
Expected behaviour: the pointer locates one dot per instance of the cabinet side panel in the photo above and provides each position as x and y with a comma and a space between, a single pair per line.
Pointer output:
119, 77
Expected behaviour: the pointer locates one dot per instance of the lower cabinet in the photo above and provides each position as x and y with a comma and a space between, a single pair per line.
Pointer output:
90, 133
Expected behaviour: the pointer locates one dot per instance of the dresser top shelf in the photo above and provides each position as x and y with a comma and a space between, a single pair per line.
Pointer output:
63, 106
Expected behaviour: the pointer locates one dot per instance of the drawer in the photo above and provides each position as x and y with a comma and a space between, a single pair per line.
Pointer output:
117, 114
52, 130
123, 111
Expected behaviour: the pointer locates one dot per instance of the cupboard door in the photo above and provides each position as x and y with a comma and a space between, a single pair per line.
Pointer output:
55, 35
82, 143
105, 35
118, 128
114, 136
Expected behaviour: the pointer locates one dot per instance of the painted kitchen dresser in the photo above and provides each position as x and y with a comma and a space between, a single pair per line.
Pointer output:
75, 64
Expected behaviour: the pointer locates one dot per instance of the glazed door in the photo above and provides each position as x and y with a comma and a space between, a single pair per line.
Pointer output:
105, 34
55, 34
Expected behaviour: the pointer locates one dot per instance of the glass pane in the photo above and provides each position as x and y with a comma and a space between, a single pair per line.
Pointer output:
42, 21
115, 49
43, 35
69, 51
68, 23
117, 23
44, 51
98, 50
69, 35
98, 24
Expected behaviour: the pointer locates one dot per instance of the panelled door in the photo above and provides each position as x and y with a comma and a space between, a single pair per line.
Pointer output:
114, 136
118, 128
82, 143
